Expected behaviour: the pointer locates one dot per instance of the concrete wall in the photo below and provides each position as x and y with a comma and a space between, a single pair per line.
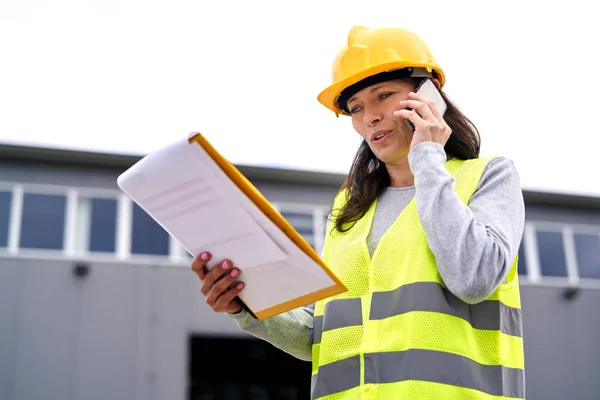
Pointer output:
563, 215
58, 174
119, 333
562, 346
122, 333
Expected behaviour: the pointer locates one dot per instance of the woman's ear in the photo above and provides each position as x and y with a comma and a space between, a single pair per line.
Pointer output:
436, 82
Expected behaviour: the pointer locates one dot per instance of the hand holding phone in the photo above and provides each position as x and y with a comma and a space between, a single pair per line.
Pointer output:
427, 89
435, 129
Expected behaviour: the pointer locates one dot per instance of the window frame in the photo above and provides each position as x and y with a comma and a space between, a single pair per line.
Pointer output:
568, 232
318, 213
11, 195
124, 225
177, 255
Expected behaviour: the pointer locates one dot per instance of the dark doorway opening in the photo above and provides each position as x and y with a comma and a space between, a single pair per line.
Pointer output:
222, 368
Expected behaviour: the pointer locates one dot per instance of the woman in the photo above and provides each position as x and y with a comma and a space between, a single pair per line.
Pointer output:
425, 235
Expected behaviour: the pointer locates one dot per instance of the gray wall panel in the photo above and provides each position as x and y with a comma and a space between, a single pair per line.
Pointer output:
123, 333
12, 274
109, 328
548, 356
564, 215
562, 351
585, 335
57, 174
296, 193
48, 333
181, 310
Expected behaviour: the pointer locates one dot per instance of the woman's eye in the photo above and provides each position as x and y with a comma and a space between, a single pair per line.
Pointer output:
354, 110
385, 95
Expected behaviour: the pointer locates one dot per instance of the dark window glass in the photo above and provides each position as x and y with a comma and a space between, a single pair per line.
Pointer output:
43, 221
522, 267
5, 202
103, 225
303, 223
587, 248
552, 254
147, 236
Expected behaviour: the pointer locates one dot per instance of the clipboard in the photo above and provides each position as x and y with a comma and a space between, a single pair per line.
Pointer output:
286, 274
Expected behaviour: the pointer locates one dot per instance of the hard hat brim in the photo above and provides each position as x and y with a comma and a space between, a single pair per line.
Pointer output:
328, 97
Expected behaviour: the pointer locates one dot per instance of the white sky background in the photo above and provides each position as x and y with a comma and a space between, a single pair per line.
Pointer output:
129, 76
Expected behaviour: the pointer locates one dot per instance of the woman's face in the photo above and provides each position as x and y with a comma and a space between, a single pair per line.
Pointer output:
372, 117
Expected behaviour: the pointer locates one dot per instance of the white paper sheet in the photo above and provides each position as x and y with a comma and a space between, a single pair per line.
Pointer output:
179, 190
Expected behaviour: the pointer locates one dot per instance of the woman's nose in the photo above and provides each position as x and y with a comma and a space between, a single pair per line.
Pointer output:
372, 117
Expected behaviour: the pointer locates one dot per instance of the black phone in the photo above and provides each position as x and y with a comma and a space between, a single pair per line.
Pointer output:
427, 89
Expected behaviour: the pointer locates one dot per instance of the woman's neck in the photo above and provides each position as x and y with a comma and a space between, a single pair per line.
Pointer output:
400, 174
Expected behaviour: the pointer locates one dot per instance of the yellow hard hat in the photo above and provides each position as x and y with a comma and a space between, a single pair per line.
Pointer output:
374, 53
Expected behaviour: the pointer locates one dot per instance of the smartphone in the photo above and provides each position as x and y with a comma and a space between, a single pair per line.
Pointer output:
427, 89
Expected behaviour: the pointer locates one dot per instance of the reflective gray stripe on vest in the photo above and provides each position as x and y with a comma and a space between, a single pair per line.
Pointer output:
419, 365
338, 314
451, 369
336, 377
431, 296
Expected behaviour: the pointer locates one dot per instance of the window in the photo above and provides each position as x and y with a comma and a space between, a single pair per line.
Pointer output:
5, 203
587, 249
522, 266
147, 236
103, 225
96, 224
552, 254
43, 221
303, 223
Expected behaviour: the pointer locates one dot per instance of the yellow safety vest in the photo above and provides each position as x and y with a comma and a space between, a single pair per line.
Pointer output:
398, 333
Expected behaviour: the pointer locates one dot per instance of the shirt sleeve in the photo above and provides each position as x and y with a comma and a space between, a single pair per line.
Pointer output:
290, 332
474, 245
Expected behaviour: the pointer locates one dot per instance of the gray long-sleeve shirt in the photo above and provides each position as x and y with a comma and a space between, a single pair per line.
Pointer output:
474, 246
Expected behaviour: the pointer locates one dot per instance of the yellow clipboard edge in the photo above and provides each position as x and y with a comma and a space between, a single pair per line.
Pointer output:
263, 204
298, 302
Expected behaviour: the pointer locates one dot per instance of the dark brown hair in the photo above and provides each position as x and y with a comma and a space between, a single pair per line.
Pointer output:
368, 177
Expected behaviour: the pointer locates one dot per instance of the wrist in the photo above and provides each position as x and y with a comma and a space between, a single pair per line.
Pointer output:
426, 157
427, 149
237, 314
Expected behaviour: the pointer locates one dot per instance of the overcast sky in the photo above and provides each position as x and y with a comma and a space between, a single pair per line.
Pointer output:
129, 76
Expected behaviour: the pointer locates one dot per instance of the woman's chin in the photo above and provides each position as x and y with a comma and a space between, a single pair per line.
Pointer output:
390, 155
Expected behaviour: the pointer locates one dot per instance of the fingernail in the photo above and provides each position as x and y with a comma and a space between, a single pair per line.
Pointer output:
412, 93
234, 272
224, 265
239, 285
204, 256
